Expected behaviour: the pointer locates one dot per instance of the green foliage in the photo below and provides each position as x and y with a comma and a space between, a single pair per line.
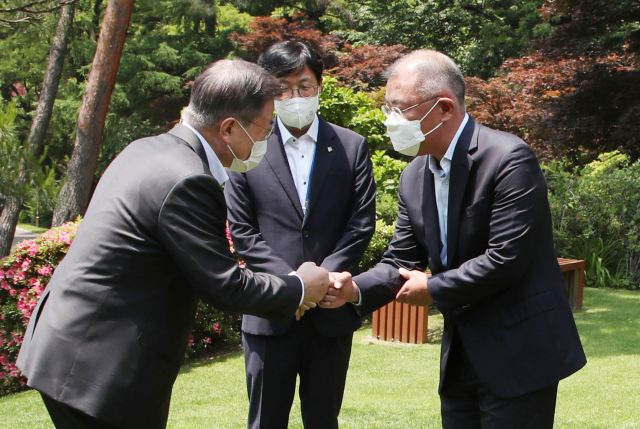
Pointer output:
24, 275
231, 19
596, 218
41, 198
354, 110
377, 246
11, 151
168, 44
24, 53
40, 189
478, 35
212, 331
386, 173
407, 396
119, 132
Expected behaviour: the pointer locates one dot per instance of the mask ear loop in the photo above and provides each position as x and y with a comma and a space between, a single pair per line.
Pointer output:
425, 115
430, 110
253, 143
435, 128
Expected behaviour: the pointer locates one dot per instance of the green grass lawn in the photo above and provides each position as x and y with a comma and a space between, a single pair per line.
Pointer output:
394, 385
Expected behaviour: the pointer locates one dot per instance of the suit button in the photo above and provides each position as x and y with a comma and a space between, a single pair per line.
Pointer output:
305, 234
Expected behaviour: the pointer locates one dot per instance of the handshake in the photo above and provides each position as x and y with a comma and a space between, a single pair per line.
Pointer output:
333, 290
328, 290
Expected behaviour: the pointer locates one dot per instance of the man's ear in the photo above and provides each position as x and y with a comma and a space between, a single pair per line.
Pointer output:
225, 128
447, 106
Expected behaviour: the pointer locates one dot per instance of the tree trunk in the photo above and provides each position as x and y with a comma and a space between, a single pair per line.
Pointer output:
35, 140
74, 196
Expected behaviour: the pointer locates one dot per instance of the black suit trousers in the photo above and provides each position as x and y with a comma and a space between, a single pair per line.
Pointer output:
467, 405
65, 417
273, 364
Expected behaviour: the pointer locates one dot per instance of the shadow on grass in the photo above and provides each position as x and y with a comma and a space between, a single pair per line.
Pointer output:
229, 352
609, 323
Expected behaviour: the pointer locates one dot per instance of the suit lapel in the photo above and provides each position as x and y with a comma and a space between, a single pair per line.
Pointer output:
430, 217
322, 163
277, 160
188, 136
460, 168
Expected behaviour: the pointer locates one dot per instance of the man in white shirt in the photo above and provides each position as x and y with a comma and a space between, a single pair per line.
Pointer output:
313, 198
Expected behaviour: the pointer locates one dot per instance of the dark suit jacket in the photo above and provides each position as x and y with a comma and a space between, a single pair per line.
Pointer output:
110, 331
271, 234
503, 290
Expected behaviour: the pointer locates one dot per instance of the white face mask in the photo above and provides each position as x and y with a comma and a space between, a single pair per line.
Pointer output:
257, 153
406, 136
297, 112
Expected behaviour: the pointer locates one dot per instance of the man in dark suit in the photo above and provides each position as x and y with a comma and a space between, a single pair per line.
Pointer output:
312, 199
105, 343
474, 210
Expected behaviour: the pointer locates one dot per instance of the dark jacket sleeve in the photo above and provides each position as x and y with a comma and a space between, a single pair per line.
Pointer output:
380, 284
191, 226
520, 194
243, 223
361, 225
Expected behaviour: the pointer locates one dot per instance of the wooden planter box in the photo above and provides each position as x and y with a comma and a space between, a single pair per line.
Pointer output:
406, 323
573, 278
401, 322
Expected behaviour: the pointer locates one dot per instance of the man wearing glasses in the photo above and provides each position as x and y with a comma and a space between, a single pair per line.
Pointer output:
312, 199
473, 208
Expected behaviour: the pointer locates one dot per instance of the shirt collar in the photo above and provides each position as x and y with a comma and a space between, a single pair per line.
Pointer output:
215, 166
312, 132
445, 162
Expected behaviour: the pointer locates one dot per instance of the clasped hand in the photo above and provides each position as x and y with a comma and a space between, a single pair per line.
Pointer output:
414, 291
329, 290
333, 290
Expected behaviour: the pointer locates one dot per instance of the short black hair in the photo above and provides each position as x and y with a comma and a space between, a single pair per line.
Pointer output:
289, 56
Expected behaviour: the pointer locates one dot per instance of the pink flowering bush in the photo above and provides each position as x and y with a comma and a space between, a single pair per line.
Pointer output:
23, 277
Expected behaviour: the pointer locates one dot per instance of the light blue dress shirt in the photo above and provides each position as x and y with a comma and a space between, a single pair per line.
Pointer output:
441, 175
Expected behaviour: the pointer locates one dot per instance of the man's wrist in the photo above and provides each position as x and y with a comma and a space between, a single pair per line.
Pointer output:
357, 299
293, 273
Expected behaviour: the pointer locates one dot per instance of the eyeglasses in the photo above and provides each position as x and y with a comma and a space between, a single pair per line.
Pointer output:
269, 130
389, 110
304, 90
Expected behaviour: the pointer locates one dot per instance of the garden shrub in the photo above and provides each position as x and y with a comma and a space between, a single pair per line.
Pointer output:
377, 246
596, 217
23, 277
355, 110
386, 173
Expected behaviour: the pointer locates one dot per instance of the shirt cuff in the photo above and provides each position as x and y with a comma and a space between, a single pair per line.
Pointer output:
359, 303
293, 273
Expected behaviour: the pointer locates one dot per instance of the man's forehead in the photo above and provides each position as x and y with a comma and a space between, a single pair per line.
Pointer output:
400, 91
303, 74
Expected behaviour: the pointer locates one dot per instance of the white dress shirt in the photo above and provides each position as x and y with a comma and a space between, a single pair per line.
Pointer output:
441, 181
220, 174
215, 166
300, 154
